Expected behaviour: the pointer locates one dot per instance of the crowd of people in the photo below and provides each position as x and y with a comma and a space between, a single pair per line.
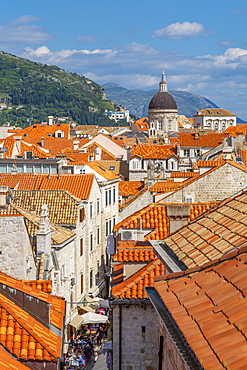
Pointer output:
82, 347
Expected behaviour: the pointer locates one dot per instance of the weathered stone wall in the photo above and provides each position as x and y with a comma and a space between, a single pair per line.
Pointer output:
172, 359
216, 185
16, 252
139, 337
142, 201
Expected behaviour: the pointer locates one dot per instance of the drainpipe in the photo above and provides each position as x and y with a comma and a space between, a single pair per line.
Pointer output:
120, 337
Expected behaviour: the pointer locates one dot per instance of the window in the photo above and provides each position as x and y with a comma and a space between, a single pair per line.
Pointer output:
159, 125
91, 279
135, 165
112, 168
62, 272
46, 169
82, 214
28, 155
81, 246
91, 242
188, 199
91, 209
98, 235
98, 206
186, 152
106, 228
81, 283
109, 196
114, 195
109, 227
169, 126
106, 198
29, 168
113, 221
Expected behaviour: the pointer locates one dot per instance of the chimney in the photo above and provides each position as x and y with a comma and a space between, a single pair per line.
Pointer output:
76, 145
50, 120
6, 196
140, 233
42, 141
43, 236
18, 143
178, 216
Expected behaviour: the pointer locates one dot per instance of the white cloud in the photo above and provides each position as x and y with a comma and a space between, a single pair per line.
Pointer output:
179, 31
225, 43
21, 31
86, 38
139, 66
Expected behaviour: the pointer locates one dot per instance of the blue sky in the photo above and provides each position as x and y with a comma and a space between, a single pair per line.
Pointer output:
202, 46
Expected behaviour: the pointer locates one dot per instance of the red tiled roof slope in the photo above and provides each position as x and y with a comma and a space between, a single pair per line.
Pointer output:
78, 185
134, 252
8, 362
153, 151
209, 308
212, 234
127, 188
20, 332
211, 139
154, 216
133, 287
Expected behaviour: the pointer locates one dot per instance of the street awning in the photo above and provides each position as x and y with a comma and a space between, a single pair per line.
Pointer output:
77, 321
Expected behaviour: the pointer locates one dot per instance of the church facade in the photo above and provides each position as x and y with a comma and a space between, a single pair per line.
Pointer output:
162, 112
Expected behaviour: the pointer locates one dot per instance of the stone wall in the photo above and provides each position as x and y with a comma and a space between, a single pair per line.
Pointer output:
216, 185
16, 252
139, 339
142, 201
171, 359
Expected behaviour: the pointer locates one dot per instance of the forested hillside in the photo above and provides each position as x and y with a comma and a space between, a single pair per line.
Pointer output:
36, 91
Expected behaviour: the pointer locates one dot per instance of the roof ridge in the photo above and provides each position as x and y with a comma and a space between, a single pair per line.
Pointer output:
227, 256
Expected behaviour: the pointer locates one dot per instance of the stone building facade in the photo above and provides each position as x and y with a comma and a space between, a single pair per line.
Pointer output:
135, 336
216, 184
17, 257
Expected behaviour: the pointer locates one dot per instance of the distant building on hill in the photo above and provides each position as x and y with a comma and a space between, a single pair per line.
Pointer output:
118, 116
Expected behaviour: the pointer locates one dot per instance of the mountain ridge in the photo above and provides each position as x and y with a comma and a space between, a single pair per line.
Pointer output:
137, 101
33, 91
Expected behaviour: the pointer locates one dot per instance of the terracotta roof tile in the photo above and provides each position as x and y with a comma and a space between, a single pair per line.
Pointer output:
213, 163
101, 170
62, 206
78, 185
214, 112
127, 188
153, 151
20, 332
133, 287
212, 139
154, 217
165, 186
175, 174
8, 362
214, 233
209, 307
134, 252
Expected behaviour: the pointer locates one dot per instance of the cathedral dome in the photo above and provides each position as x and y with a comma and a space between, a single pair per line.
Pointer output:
162, 100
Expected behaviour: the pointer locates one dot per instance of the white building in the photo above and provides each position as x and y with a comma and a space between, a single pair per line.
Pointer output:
215, 119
